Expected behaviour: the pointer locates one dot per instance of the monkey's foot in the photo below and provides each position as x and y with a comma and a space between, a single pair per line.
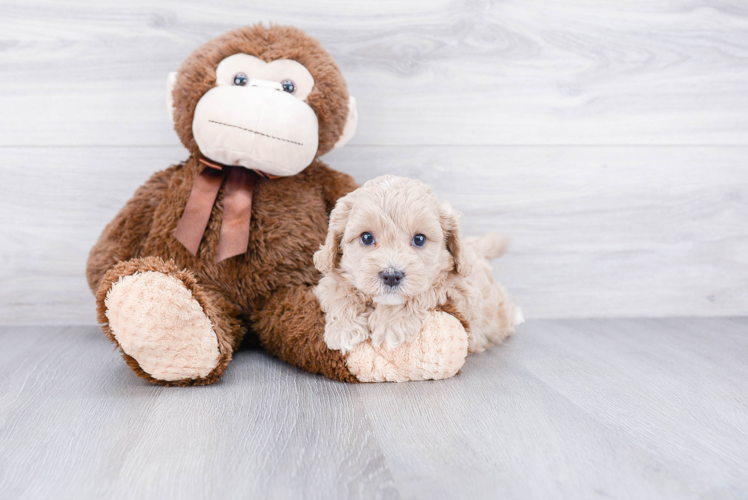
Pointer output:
161, 326
438, 352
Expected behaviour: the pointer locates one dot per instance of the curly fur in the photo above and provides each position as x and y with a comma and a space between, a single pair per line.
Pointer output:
447, 273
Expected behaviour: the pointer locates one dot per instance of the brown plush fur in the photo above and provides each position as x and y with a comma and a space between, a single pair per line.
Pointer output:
267, 290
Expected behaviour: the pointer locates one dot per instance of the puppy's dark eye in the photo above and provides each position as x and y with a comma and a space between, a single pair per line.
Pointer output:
419, 240
240, 79
367, 239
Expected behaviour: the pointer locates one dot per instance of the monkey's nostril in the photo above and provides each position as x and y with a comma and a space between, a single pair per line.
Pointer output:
391, 277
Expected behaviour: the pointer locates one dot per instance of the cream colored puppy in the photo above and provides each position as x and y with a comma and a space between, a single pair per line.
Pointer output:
392, 255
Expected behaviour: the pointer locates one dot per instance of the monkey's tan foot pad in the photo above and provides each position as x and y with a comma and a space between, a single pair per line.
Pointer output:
158, 322
438, 352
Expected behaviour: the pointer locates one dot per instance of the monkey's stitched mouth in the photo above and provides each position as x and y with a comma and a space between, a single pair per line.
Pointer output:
257, 133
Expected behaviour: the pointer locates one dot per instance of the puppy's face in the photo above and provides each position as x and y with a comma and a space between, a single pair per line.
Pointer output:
394, 245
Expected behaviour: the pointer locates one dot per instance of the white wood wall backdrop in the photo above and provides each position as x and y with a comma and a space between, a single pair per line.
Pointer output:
609, 140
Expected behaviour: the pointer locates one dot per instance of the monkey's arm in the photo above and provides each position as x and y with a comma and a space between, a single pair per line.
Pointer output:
123, 237
291, 326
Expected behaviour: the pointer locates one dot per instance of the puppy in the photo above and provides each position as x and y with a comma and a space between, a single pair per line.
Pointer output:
392, 255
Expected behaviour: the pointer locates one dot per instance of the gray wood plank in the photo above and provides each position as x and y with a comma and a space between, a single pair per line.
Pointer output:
578, 409
565, 409
596, 232
425, 72
75, 423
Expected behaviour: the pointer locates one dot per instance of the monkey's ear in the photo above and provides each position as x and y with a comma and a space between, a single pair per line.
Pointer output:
171, 81
350, 124
327, 257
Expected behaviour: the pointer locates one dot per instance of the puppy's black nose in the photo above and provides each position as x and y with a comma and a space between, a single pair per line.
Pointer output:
391, 278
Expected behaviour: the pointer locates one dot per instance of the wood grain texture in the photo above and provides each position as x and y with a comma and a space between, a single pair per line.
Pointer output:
449, 92
566, 409
578, 409
475, 72
596, 232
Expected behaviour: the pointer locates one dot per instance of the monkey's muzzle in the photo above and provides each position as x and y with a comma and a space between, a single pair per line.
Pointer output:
256, 127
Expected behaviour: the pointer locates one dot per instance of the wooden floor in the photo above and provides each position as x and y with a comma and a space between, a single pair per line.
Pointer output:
566, 409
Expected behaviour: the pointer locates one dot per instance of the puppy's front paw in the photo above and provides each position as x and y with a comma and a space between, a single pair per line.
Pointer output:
344, 335
437, 352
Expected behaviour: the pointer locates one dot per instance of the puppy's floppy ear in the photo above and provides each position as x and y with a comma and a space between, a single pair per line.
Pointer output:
450, 222
328, 256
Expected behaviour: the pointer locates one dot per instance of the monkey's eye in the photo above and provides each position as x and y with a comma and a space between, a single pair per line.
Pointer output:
419, 240
240, 79
288, 86
367, 239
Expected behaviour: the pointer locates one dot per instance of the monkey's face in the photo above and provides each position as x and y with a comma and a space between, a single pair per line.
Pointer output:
256, 117
268, 99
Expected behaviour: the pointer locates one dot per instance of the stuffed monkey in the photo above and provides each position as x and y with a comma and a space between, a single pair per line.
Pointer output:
220, 246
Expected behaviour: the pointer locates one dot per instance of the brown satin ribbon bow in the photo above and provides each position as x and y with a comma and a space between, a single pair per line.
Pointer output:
237, 209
